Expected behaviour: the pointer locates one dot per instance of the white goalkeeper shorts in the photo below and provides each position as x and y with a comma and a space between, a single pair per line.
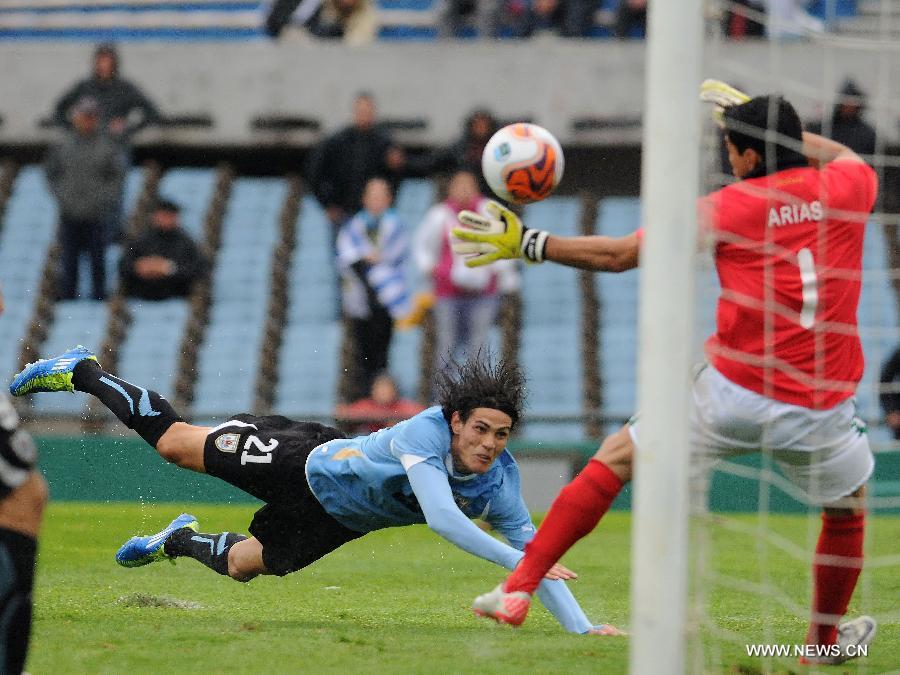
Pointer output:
824, 453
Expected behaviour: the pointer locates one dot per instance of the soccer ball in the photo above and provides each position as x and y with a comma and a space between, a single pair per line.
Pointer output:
522, 163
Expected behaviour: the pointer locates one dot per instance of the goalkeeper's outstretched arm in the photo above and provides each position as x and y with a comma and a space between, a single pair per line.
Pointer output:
596, 253
501, 234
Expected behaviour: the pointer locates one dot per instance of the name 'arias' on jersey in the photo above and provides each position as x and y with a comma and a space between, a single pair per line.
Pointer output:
522, 163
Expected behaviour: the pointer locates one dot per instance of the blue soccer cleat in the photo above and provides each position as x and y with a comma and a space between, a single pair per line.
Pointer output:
139, 551
50, 374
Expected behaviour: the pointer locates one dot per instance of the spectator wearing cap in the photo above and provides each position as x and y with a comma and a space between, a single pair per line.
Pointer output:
162, 262
847, 124
85, 172
124, 109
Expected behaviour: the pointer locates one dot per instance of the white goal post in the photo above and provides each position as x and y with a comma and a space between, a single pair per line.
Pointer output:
669, 189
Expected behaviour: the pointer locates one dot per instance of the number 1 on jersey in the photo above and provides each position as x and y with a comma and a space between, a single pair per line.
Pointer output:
810, 287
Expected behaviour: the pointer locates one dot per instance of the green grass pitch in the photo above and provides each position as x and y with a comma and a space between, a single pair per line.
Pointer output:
395, 601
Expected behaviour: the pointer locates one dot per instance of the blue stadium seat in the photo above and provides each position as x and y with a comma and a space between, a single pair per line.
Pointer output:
879, 326
414, 198
134, 183
228, 361
310, 347
406, 20
75, 322
551, 338
618, 295
307, 383
132, 20
149, 354
26, 232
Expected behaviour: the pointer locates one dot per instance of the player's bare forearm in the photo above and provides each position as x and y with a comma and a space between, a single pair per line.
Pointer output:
597, 254
821, 150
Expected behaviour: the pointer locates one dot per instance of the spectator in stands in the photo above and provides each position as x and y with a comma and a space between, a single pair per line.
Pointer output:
890, 392
124, 109
744, 18
847, 124
372, 251
353, 21
528, 18
85, 172
465, 18
383, 408
631, 18
342, 164
163, 262
465, 153
467, 298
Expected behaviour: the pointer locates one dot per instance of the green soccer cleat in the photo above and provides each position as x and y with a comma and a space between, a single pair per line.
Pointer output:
53, 374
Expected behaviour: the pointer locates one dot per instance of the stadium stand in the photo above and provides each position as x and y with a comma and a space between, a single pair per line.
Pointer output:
75, 322
414, 198
618, 294
29, 223
550, 342
878, 322
310, 347
229, 357
149, 353
131, 20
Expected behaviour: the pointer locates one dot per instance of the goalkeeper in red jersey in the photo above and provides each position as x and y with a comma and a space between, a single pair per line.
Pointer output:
782, 366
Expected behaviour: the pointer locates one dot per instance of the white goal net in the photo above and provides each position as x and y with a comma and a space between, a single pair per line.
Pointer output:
740, 581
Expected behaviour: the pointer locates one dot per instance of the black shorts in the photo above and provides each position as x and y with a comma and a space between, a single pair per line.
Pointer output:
266, 457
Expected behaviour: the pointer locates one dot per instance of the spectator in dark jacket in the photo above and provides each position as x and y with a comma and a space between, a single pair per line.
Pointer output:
124, 109
890, 392
465, 153
85, 173
343, 164
163, 262
847, 124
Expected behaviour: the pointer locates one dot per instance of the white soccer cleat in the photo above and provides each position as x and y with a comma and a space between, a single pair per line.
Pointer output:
852, 636
503, 607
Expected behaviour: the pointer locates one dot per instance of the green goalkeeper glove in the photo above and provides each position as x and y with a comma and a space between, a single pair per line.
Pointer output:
500, 236
722, 96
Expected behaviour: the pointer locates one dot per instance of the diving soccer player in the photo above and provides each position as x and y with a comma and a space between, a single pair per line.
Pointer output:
321, 490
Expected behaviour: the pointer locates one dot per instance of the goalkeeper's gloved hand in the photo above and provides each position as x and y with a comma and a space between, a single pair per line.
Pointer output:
499, 236
722, 96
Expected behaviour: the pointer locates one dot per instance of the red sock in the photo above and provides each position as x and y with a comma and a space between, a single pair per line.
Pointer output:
834, 580
576, 511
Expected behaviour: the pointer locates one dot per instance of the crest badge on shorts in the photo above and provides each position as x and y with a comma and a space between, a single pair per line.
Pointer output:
228, 442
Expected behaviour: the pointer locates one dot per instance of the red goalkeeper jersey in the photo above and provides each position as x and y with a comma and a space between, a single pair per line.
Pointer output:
789, 258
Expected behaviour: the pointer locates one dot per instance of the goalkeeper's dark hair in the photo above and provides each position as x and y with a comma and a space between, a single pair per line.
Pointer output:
746, 126
481, 383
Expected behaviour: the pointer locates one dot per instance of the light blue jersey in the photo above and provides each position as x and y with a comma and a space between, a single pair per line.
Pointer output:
404, 475
362, 483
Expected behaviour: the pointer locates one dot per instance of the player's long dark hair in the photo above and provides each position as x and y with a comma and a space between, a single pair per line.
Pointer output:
481, 383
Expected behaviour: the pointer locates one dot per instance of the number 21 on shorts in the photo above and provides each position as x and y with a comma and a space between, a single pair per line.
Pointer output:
265, 449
